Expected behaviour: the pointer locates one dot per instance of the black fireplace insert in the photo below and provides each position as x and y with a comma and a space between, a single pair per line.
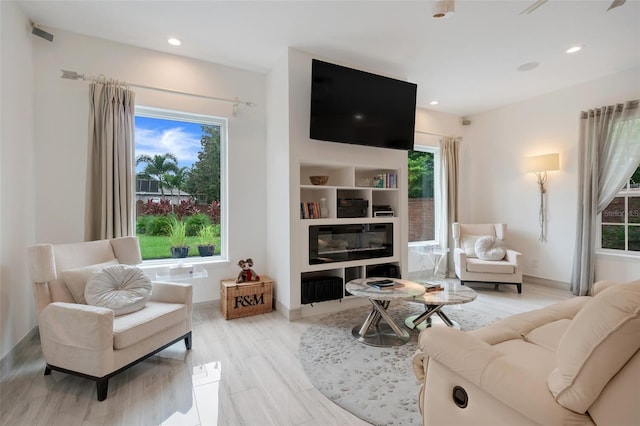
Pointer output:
342, 243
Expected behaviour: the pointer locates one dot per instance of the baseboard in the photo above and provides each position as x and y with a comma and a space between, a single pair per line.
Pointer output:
291, 315
546, 282
8, 362
214, 303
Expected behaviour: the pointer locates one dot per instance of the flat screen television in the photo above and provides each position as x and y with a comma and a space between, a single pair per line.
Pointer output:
358, 107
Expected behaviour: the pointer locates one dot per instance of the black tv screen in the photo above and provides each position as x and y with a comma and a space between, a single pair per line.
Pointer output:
357, 107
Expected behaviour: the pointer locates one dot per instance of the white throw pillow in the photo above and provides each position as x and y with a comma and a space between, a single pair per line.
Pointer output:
76, 279
490, 248
468, 244
122, 288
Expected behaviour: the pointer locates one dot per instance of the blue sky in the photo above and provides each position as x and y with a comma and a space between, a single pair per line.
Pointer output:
159, 136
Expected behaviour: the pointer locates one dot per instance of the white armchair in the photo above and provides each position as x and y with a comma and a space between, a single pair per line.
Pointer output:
470, 268
91, 341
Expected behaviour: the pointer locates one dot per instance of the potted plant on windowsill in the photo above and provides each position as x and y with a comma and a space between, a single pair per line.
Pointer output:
178, 238
206, 235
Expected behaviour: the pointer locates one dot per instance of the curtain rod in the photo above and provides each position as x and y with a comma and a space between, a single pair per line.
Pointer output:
72, 75
458, 138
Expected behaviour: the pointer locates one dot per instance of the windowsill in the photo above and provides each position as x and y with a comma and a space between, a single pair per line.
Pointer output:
163, 263
423, 243
617, 255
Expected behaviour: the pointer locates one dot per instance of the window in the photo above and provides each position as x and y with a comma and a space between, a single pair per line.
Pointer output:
422, 179
620, 220
180, 183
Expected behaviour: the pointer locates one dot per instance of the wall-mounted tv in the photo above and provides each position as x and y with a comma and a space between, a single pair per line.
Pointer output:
357, 107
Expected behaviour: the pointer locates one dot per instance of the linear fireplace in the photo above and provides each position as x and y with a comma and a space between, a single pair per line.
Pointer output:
342, 243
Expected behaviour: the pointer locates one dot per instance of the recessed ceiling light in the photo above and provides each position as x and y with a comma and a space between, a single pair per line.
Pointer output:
174, 41
433, 103
528, 66
574, 49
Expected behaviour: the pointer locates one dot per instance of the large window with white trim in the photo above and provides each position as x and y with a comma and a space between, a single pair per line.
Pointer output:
180, 187
620, 220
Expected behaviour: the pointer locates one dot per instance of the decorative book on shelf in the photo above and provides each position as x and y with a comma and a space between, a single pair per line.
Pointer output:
309, 210
385, 180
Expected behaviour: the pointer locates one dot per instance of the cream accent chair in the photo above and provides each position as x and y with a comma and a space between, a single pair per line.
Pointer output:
89, 341
471, 269
576, 362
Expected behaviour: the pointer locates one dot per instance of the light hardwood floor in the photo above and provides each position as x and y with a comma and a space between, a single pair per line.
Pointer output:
240, 372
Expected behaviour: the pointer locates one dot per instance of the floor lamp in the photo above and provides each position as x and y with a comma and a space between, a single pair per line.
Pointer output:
540, 165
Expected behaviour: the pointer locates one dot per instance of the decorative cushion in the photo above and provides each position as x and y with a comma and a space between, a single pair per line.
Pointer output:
489, 248
602, 337
122, 288
468, 244
76, 279
491, 267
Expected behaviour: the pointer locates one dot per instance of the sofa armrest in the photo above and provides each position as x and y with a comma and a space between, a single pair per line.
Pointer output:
600, 286
77, 325
171, 292
477, 362
460, 256
514, 257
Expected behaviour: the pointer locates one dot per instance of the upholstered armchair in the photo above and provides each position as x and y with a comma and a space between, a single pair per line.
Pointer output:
94, 341
480, 255
576, 362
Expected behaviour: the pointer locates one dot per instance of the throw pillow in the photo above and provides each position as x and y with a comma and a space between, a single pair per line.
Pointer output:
468, 244
600, 340
122, 288
490, 248
76, 279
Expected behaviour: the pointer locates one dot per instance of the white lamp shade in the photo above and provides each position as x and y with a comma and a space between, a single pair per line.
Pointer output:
543, 163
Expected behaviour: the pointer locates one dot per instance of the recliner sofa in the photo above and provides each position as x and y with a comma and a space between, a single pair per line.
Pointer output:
576, 362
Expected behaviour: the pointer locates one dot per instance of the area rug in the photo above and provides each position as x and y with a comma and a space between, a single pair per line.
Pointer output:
375, 384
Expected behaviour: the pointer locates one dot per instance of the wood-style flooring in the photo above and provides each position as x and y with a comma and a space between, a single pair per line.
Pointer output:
244, 371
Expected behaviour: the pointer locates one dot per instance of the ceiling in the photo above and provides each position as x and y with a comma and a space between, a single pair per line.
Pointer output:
467, 61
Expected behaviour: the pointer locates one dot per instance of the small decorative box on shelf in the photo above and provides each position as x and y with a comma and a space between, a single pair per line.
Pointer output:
245, 299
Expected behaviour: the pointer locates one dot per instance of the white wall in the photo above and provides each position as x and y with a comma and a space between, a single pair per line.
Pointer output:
494, 187
278, 213
17, 312
302, 149
61, 114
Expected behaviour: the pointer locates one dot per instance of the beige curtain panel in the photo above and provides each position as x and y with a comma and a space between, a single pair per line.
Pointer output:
609, 150
110, 165
449, 166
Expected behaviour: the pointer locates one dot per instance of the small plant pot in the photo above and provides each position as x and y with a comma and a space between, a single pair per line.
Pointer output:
206, 250
179, 252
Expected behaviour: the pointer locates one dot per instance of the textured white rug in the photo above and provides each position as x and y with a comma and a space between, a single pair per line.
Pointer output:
375, 384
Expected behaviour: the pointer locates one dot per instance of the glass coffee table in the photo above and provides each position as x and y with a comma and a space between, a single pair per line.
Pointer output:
451, 294
373, 331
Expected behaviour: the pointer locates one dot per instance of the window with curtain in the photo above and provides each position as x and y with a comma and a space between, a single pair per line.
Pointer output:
422, 181
180, 188
620, 220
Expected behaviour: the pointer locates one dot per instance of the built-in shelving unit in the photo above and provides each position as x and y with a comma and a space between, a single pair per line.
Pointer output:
350, 182
378, 188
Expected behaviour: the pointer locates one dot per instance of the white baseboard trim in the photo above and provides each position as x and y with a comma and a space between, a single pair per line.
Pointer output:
545, 282
214, 303
8, 362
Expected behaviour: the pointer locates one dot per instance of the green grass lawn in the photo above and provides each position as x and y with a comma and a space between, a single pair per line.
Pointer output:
158, 247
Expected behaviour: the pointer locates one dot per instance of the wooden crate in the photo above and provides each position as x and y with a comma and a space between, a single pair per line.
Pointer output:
244, 299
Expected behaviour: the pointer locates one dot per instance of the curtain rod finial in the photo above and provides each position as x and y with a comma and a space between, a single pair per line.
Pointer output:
72, 75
